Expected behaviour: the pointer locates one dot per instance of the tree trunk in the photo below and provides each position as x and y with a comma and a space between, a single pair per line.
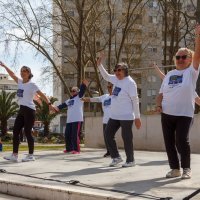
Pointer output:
46, 128
3, 127
79, 43
110, 35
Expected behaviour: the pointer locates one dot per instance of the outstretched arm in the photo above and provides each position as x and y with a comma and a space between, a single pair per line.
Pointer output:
108, 77
196, 57
158, 71
93, 99
43, 96
10, 72
83, 88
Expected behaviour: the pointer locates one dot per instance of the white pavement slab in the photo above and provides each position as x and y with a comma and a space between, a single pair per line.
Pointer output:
146, 178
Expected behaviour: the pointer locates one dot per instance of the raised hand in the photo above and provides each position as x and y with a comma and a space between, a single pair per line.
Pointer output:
2, 64
85, 82
100, 58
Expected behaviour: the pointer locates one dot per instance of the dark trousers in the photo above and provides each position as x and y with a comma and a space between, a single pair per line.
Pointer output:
25, 118
127, 136
176, 138
72, 136
104, 135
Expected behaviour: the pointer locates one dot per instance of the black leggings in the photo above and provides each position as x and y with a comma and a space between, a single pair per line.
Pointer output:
25, 118
104, 135
176, 137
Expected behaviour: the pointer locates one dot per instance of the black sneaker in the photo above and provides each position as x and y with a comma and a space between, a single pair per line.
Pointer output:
106, 155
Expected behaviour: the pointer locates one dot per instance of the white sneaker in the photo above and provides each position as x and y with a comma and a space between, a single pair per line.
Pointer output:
11, 157
186, 173
128, 164
28, 158
173, 173
115, 161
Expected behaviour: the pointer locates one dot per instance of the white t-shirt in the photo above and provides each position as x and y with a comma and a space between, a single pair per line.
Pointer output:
26, 92
75, 110
178, 90
106, 105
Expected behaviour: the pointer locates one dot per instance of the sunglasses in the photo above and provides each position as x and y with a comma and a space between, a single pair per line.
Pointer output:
181, 57
24, 70
73, 90
109, 86
118, 70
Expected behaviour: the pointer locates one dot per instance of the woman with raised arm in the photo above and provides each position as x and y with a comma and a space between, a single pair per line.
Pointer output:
176, 102
162, 76
74, 107
124, 111
26, 115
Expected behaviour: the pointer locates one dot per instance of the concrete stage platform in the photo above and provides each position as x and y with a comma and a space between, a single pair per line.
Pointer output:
90, 168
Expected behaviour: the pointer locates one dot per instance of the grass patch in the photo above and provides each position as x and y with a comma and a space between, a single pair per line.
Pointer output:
37, 148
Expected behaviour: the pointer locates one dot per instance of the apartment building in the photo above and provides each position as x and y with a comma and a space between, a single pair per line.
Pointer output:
7, 84
143, 46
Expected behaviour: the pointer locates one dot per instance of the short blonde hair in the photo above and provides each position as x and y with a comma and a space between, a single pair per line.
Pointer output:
189, 51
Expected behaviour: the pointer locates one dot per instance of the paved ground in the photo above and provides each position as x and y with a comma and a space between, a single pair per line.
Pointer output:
147, 177
8, 197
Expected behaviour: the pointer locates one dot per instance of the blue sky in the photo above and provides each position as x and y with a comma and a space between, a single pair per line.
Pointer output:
28, 58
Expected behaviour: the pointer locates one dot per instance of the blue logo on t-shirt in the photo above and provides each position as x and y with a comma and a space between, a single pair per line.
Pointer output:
175, 79
70, 102
20, 92
116, 91
107, 102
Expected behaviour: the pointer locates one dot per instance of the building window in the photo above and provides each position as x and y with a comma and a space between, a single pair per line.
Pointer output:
152, 34
152, 4
152, 49
151, 78
107, 31
190, 8
151, 92
69, 76
153, 19
137, 18
70, 13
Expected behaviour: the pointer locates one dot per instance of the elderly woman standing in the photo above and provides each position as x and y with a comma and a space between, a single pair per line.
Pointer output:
74, 107
176, 102
124, 111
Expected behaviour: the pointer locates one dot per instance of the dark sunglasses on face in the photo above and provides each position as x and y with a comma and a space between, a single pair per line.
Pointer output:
109, 86
181, 57
118, 70
73, 90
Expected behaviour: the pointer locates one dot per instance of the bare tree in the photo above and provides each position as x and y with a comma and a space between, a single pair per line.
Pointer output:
177, 28
24, 21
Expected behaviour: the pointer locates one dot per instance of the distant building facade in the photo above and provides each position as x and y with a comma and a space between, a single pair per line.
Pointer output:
147, 47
